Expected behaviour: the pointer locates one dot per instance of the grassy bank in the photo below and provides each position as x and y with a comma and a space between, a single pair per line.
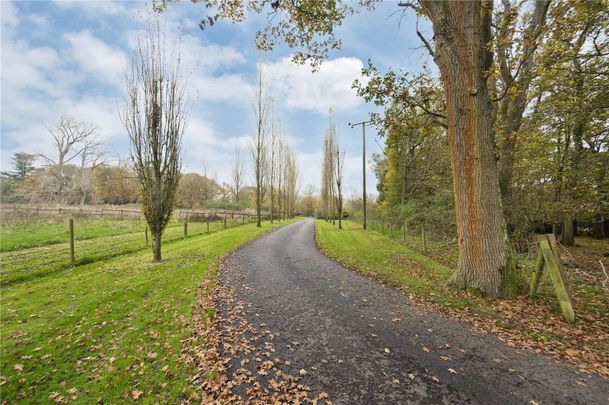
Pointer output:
380, 257
535, 324
110, 330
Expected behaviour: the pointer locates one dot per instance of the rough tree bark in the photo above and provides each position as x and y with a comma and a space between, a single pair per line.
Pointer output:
156, 252
462, 31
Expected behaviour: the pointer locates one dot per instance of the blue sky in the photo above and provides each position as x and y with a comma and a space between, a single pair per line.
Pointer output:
69, 58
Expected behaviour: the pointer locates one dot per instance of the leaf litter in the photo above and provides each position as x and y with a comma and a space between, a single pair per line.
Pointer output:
233, 361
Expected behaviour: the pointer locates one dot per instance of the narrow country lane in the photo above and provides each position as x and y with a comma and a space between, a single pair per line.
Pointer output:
364, 343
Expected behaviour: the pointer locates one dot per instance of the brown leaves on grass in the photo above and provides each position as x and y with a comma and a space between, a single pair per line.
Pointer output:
537, 325
533, 326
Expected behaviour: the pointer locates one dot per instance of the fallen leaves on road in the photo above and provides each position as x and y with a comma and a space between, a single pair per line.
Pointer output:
234, 361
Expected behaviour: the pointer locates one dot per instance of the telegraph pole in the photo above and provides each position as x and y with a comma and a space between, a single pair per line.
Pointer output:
363, 124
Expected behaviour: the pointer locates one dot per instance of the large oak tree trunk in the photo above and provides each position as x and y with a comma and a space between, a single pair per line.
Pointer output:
462, 32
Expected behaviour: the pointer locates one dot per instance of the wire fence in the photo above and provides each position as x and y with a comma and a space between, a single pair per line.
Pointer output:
29, 213
70, 246
434, 240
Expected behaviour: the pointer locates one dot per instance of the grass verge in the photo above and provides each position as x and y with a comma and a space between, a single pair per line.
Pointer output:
382, 258
533, 324
112, 330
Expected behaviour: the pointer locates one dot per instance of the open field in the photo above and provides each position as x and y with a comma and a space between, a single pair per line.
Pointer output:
536, 324
109, 330
28, 235
96, 239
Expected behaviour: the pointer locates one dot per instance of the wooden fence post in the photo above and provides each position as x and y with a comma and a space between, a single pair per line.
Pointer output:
404, 231
536, 275
225, 220
71, 222
185, 229
554, 265
146, 234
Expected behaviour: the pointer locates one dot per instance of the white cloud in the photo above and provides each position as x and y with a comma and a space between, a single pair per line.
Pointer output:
38, 86
81, 76
8, 16
93, 9
40, 24
201, 61
201, 64
206, 148
309, 165
224, 88
27, 68
95, 57
301, 89
209, 57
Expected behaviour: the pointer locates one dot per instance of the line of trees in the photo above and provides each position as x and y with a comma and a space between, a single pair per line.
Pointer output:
332, 175
32, 181
274, 164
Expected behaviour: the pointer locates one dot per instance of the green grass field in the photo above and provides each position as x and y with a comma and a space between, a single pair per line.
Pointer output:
22, 236
100, 331
31, 262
